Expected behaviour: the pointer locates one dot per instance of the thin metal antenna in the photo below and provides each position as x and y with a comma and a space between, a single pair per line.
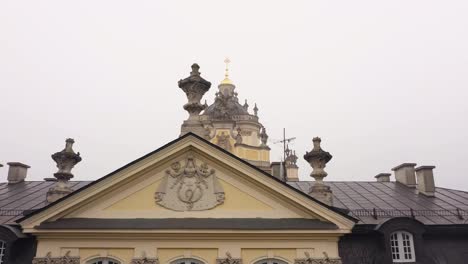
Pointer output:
285, 141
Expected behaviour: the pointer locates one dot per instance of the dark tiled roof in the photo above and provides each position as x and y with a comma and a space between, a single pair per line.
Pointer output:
375, 202
25, 196
370, 202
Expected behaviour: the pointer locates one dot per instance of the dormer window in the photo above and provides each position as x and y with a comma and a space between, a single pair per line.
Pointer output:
402, 247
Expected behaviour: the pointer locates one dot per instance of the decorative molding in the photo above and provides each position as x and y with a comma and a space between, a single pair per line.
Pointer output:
48, 259
189, 187
309, 260
228, 260
246, 133
145, 261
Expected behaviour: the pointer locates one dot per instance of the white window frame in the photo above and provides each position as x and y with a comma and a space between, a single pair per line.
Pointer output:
3, 246
104, 260
187, 261
271, 261
402, 247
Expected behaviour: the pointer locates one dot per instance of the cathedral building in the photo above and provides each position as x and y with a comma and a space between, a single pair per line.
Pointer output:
225, 123
213, 196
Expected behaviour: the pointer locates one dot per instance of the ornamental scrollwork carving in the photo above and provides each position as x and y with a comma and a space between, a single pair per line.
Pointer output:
145, 261
48, 259
189, 187
309, 260
228, 260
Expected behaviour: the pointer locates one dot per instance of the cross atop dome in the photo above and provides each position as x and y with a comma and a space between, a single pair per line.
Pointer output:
226, 72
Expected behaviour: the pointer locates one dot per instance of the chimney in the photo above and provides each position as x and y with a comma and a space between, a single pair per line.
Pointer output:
66, 160
404, 174
426, 184
292, 172
383, 177
276, 169
318, 158
17, 172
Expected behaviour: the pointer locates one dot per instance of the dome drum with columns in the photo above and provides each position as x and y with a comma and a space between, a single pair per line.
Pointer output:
225, 122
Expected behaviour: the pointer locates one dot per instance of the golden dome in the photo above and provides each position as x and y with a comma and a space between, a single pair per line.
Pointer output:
226, 81
226, 73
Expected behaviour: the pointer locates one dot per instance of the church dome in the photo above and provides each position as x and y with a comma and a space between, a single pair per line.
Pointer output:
225, 106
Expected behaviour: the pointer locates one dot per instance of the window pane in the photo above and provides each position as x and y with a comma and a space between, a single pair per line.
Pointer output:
407, 246
394, 246
2, 251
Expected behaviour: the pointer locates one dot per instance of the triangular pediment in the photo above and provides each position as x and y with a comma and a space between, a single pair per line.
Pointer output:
187, 179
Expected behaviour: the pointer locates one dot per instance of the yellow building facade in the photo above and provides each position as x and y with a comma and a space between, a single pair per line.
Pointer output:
187, 202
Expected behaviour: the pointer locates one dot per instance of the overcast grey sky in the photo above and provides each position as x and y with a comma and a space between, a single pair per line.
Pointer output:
382, 82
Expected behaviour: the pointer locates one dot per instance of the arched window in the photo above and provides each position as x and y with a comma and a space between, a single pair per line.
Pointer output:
103, 261
402, 247
186, 261
2, 251
270, 261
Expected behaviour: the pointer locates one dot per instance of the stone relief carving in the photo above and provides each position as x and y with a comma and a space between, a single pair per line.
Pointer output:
239, 136
48, 259
189, 187
228, 260
208, 135
223, 141
309, 260
145, 261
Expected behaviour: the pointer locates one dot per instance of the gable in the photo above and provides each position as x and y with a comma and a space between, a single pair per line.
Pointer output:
135, 191
242, 199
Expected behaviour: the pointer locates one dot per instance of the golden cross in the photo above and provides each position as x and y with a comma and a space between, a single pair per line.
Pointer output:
226, 72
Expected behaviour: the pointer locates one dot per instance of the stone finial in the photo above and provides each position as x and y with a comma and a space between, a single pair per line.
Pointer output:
194, 87
246, 105
255, 110
66, 160
195, 70
292, 170
318, 158
291, 158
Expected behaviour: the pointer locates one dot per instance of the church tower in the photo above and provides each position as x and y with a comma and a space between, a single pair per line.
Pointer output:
225, 122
